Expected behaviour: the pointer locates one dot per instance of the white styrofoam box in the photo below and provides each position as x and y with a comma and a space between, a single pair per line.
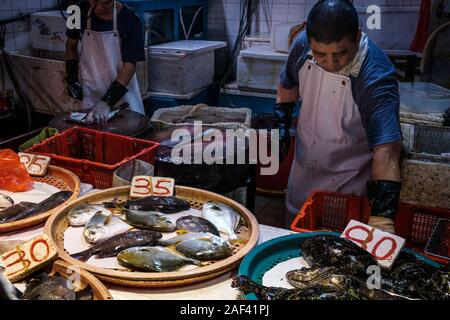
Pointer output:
48, 31
43, 80
259, 67
423, 97
280, 36
181, 67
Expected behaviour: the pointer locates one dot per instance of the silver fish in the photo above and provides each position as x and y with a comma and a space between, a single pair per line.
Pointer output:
201, 246
5, 201
156, 259
223, 217
81, 214
103, 226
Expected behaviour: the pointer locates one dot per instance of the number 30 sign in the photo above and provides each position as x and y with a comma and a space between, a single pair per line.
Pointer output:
144, 186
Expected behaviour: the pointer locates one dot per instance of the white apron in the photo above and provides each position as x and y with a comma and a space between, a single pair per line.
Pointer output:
331, 152
100, 63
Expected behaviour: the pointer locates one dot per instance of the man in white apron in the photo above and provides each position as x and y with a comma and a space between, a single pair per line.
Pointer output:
109, 52
348, 132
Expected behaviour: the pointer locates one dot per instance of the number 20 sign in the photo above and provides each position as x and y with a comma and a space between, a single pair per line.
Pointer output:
383, 246
144, 186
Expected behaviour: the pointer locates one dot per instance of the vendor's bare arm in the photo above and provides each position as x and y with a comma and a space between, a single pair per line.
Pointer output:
386, 161
287, 95
126, 73
71, 49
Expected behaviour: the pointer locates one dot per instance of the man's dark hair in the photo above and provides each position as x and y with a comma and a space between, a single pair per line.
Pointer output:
331, 20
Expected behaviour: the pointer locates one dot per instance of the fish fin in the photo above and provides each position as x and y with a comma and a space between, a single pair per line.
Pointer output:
182, 231
85, 294
85, 255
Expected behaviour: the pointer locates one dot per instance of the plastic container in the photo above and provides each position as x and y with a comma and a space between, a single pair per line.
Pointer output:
259, 68
423, 97
94, 155
265, 256
333, 211
181, 67
48, 31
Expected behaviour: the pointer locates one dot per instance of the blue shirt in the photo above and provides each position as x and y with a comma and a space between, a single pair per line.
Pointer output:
375, 90
129, 26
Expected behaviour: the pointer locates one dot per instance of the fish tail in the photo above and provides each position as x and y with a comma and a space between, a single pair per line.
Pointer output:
84, 255
245, 285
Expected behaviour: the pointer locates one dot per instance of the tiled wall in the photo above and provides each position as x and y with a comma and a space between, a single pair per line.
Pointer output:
398, 18
17, 37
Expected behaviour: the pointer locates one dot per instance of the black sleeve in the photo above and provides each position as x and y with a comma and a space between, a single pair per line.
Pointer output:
76, 33
133, 41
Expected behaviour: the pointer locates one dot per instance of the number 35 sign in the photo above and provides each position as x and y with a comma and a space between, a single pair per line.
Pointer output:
383, 246
144, 186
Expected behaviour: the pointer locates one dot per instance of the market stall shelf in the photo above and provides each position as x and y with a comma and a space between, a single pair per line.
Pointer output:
248, 233
58, 177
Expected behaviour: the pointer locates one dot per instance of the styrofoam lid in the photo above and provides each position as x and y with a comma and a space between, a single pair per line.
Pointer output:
263, 52
53, 13
188, 46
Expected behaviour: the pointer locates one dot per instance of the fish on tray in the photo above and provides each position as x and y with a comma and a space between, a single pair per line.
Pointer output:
152, 220
223, 217
152, 203
7, 289
112, 246
103, 226
154, 259
196, 224
26, 210
201, 246
80, 215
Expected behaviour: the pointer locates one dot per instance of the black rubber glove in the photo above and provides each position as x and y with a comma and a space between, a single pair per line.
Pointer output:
73, 84
282, 119
115, 92
383, 196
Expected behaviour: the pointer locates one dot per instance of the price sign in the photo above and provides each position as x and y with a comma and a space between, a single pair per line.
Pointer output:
28, 257
36, 165
383, 246
144, 186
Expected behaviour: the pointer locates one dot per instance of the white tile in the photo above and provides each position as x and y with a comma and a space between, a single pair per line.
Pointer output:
280, 12
232, 11
296, 13
10, 43
47, 4
33, 4
22, 40
5, 5
19, 5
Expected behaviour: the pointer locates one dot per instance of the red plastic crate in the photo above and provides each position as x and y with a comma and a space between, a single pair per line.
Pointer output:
326, 210
94, 155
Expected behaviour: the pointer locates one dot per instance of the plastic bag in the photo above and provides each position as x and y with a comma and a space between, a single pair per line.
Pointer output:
14, 176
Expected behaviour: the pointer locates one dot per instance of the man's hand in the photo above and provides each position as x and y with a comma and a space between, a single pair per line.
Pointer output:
99, 113
73, 84
383, 224
282, 117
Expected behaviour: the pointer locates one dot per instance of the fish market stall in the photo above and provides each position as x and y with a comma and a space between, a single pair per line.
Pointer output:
211, 253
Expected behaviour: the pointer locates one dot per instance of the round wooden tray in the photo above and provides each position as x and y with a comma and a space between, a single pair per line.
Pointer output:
58, 177
66, 270
249, 232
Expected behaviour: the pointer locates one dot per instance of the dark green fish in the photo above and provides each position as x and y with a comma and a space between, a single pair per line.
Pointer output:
112, 246
152, 203
48, 204
149, 220
15, 210
155, 259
